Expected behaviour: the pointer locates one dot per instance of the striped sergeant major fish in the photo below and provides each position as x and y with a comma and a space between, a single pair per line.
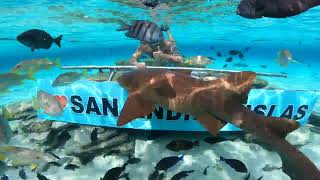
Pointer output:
143, 30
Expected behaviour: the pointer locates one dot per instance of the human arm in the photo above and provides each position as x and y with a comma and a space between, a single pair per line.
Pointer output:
136, 56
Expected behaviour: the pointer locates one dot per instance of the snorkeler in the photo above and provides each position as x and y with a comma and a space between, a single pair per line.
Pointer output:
152, 42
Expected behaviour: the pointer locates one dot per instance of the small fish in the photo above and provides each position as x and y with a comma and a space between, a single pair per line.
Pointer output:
67, 78
151, 3
219, 54
18, 156
284, 57
9, 80
143, 30
211, 58
35, 65
38, 39
234, 52
263, 66
94, 135
133, 160
48, 103
181, 175
5, 130
22, 174
269, 167
41, 177
235, 164
156, 176
260, 178
240, 55
168, 162
211, 47
198, 60
224, 66
178, 145
4, 177
72, 167
240, 65
205, 171
214, 139
114, 173
229, 59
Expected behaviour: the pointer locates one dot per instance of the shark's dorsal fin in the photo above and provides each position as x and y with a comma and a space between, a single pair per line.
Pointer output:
281, 126
134, 107
212, 124
240, 83
164, 88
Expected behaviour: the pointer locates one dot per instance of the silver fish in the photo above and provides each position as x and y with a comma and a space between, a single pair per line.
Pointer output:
143, 30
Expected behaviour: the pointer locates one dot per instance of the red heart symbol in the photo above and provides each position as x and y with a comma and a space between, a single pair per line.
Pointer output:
62, 100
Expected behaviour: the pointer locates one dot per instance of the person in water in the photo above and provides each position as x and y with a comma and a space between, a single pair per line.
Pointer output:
165, 50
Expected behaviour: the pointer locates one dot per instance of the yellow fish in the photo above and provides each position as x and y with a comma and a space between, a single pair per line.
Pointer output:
18, 156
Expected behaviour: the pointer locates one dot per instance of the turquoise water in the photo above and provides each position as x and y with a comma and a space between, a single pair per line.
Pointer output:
199, 27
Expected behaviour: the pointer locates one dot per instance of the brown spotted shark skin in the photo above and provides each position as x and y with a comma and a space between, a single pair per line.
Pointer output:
214, 104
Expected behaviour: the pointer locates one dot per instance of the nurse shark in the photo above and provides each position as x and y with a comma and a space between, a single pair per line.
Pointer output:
214, 104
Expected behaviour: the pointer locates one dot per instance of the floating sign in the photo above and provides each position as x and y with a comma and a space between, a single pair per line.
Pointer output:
100, 104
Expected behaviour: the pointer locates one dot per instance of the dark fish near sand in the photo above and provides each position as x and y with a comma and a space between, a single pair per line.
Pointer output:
133, 160
22, 174
167, 162
181, 175
5, 130
72, 167
235, 164
219, 54
214, 139
254, 9
178, 145
94, 135
114, 173
38, 39
67, 78
229, 59
143, 30
224, 66
151, 3
41, 177
4, 177
114, 151
205, 171
156, 176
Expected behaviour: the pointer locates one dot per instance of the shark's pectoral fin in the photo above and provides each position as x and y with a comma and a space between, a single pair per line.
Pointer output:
135, 107
212, 124
165, 89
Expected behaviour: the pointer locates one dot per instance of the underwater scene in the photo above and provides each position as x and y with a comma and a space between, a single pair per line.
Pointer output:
159, 90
